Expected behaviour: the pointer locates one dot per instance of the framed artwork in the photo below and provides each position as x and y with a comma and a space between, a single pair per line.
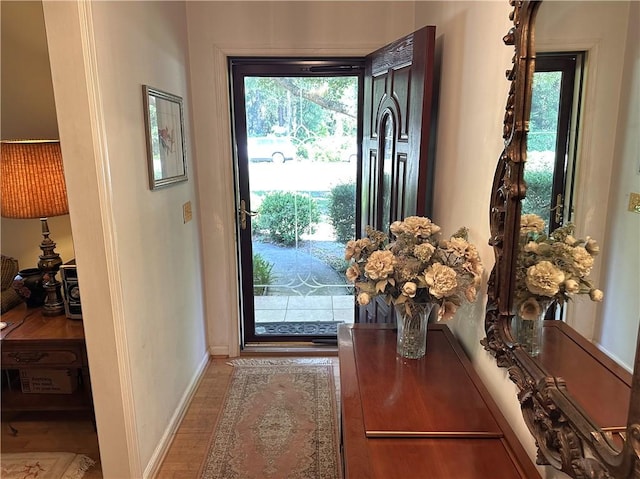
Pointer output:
166, 152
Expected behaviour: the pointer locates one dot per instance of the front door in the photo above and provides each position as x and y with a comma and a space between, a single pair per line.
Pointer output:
392, 176
297, 128
397, 145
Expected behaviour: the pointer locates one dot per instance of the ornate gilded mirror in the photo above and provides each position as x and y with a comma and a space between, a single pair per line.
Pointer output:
572, 434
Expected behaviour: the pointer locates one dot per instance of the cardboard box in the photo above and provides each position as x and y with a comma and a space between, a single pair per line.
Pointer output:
50, 381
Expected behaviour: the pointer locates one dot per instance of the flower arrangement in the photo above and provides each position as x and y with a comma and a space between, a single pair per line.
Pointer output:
551, 268
416, 268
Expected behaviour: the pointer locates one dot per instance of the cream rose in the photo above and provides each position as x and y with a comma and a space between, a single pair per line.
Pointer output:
571, 286
353, 273
570, 240
441, 280
364, 299
582, 260
417, 226
531, 224
592, 246
424, 251
544, 279
446, 311
459, 245
380, 265
354, 248
530, 309
471, 293
596, 295
409, 289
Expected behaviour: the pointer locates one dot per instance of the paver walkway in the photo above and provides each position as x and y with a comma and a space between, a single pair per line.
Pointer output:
306, 288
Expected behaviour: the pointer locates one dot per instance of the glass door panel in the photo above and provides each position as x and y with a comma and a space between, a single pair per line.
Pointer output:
302, 160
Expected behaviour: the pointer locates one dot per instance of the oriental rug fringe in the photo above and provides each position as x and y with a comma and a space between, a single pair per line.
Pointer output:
279, 420
44, 465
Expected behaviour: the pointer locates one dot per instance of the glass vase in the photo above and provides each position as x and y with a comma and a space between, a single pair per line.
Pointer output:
412, 319
528, 332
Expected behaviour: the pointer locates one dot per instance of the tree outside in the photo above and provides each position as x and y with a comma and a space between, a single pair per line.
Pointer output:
298, 207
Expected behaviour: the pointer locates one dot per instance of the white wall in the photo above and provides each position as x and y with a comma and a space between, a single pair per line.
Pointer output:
607, 162
617, 328
138, 264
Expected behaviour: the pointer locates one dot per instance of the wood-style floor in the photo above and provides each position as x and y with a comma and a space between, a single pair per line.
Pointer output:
77, 434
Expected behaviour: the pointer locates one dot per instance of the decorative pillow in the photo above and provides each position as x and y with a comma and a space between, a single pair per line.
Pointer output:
9, 269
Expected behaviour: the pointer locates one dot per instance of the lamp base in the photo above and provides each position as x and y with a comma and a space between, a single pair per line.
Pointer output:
53, 303
49, 264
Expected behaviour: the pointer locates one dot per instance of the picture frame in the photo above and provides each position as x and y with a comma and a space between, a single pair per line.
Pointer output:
166, 149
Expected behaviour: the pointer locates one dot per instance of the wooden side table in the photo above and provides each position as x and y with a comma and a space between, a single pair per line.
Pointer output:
32, 341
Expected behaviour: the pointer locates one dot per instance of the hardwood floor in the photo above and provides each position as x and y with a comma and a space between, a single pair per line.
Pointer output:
187, 450
189, 445
46, 432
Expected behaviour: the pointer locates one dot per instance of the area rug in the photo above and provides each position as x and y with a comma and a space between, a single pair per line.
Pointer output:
44, 465
278, 420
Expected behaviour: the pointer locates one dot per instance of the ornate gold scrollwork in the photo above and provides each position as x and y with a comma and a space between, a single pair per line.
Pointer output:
566, 439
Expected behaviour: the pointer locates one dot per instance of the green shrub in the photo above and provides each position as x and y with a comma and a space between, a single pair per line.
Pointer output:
539, 188
284, 216
342, 211
262, 274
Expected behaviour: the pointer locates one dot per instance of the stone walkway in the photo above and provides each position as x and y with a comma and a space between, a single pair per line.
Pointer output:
306, 288
300, 271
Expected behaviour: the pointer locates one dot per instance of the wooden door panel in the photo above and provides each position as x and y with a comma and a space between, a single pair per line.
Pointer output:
401, 84
397, 170
400, 185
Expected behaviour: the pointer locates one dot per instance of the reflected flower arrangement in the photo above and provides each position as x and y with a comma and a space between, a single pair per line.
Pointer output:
552, 268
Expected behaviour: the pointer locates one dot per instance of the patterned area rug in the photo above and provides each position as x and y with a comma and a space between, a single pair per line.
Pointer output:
44, 465
279, 420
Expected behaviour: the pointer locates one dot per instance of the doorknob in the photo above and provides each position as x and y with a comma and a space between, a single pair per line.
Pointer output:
558, 208
243, 214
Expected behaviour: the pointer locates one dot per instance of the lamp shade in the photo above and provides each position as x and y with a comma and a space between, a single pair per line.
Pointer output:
32, 179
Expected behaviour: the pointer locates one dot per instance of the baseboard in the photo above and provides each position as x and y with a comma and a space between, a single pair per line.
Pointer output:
217, 351
161, 450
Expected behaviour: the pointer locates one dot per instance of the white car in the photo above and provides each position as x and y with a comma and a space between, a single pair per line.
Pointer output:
271, 148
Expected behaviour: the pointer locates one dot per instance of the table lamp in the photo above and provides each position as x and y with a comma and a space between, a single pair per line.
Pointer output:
33, 186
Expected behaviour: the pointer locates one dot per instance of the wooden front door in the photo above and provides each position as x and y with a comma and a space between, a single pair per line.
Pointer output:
397, 144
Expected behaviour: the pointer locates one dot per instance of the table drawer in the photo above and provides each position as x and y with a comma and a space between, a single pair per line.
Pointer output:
44, 357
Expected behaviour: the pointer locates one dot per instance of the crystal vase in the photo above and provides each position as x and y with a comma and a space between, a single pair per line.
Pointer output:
528, 331
412, 319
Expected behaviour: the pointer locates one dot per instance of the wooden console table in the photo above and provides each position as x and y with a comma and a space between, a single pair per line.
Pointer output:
597, 383
428, 418
34, 341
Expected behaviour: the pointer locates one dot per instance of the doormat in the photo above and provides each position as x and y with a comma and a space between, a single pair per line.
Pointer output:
301, 328
44, 465
279, 419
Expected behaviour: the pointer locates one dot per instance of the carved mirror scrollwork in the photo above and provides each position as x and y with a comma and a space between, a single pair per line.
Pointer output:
567, 438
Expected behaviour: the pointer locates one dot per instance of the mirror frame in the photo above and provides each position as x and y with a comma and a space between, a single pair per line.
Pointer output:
566, 437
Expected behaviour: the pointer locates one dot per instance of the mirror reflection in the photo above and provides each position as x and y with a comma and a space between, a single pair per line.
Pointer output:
583, 159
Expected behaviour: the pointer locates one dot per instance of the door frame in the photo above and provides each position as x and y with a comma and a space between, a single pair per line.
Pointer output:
568, 131
223, 331
289, 67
